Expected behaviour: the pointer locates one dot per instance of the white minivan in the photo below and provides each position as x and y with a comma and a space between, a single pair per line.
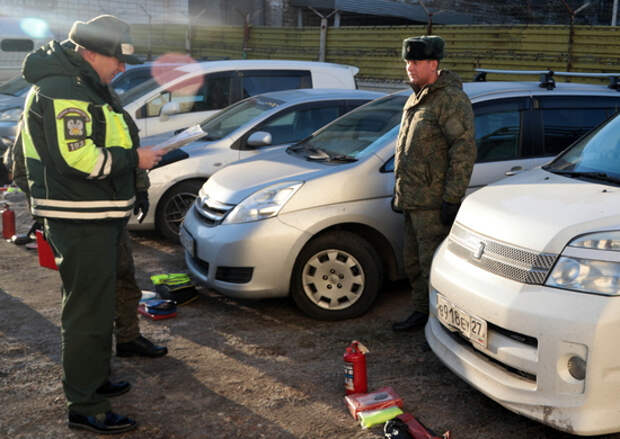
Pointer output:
525, 291
187, 95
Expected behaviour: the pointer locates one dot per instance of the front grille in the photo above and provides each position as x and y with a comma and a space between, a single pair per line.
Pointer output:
465, 343
511, 262
211, 211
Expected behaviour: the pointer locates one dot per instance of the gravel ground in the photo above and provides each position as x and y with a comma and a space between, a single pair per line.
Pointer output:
235, 369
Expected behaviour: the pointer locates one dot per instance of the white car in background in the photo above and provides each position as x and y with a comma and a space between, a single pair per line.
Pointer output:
245, 129
188, 94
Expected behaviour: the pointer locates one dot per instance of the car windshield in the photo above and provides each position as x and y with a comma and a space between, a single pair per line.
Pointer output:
237, 115
596, 156
355, 134
149, 85
138, 91
15, 87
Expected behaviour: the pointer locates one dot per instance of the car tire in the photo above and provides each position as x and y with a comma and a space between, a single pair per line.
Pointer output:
172, 207
336, 276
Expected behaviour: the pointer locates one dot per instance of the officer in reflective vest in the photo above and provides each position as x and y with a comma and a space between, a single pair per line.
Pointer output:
82, 153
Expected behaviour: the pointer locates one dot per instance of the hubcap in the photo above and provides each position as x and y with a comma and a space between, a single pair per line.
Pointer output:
333, 279
176, 208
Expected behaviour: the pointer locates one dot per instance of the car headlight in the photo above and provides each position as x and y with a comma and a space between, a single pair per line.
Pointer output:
581, 269
11, 115
262, 204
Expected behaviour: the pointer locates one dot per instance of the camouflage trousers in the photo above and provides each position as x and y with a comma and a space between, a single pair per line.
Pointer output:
423, 234
128, 294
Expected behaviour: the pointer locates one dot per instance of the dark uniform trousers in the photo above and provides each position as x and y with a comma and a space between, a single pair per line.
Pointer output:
423, 234
87, 264
128, 294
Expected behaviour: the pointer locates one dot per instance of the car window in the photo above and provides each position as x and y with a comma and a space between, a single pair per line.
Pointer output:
130, 79
562, 126
299, 123
498, 136
567, 118
237, 115
498, 131
200, 93
262, 81
355, 133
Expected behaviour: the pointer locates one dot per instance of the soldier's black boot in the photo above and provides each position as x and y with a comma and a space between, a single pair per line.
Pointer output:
140, 347
415, 321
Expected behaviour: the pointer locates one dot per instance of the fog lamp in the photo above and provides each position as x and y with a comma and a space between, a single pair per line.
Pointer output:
577, 367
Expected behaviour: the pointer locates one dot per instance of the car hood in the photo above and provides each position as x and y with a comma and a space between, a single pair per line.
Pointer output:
541, 211
233, 183
324, 183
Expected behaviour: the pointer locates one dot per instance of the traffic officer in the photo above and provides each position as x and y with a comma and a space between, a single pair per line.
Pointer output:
82, 153
435, 154
129, 340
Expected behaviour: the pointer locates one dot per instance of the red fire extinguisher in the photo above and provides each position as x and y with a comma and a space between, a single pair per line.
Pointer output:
8, 222
355, 368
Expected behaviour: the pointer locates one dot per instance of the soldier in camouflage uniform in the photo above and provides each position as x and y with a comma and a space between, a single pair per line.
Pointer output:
435, 154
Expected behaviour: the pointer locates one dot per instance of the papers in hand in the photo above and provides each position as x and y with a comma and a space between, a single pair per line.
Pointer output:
183, 138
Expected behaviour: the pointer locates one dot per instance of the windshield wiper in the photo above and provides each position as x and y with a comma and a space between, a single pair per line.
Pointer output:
342, 158
602, 176
317, 154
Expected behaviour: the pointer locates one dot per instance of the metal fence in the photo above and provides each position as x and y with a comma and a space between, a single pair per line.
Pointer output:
376, 50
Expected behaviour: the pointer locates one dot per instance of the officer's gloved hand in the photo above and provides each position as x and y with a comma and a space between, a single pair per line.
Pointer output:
141, 206
393, 205
448, 212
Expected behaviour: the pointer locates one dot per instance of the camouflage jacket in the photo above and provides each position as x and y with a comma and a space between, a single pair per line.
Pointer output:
436, 149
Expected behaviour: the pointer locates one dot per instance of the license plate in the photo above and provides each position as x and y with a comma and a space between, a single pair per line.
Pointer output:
457, 320
187, 241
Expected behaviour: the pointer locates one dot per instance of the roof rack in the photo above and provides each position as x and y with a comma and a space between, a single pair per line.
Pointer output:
546, 76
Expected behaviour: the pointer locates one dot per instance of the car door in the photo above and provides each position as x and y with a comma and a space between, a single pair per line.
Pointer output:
295, 123
195, 100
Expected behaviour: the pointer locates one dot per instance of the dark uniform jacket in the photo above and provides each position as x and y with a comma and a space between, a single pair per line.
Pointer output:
78, 142
436, 149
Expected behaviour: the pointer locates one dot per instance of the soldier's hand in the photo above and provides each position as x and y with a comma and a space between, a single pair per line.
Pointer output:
148, 157
448, 212
393, 205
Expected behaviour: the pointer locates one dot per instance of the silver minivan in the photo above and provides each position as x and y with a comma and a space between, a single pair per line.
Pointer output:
314, 220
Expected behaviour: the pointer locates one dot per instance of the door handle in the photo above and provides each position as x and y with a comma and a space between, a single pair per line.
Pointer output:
513, 171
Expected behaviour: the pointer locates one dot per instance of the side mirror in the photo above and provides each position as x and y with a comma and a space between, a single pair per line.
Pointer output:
169, 109
259, 138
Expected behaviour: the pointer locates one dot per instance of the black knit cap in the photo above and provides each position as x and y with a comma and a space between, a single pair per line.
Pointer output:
423, 47
106, 35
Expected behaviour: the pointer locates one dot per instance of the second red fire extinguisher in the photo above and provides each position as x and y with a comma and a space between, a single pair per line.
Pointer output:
355, 380
8, 222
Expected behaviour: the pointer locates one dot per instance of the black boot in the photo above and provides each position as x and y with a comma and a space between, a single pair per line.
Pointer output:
105, 423
140, 347
415, 321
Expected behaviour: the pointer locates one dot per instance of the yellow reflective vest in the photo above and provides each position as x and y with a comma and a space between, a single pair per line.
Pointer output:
78, 143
